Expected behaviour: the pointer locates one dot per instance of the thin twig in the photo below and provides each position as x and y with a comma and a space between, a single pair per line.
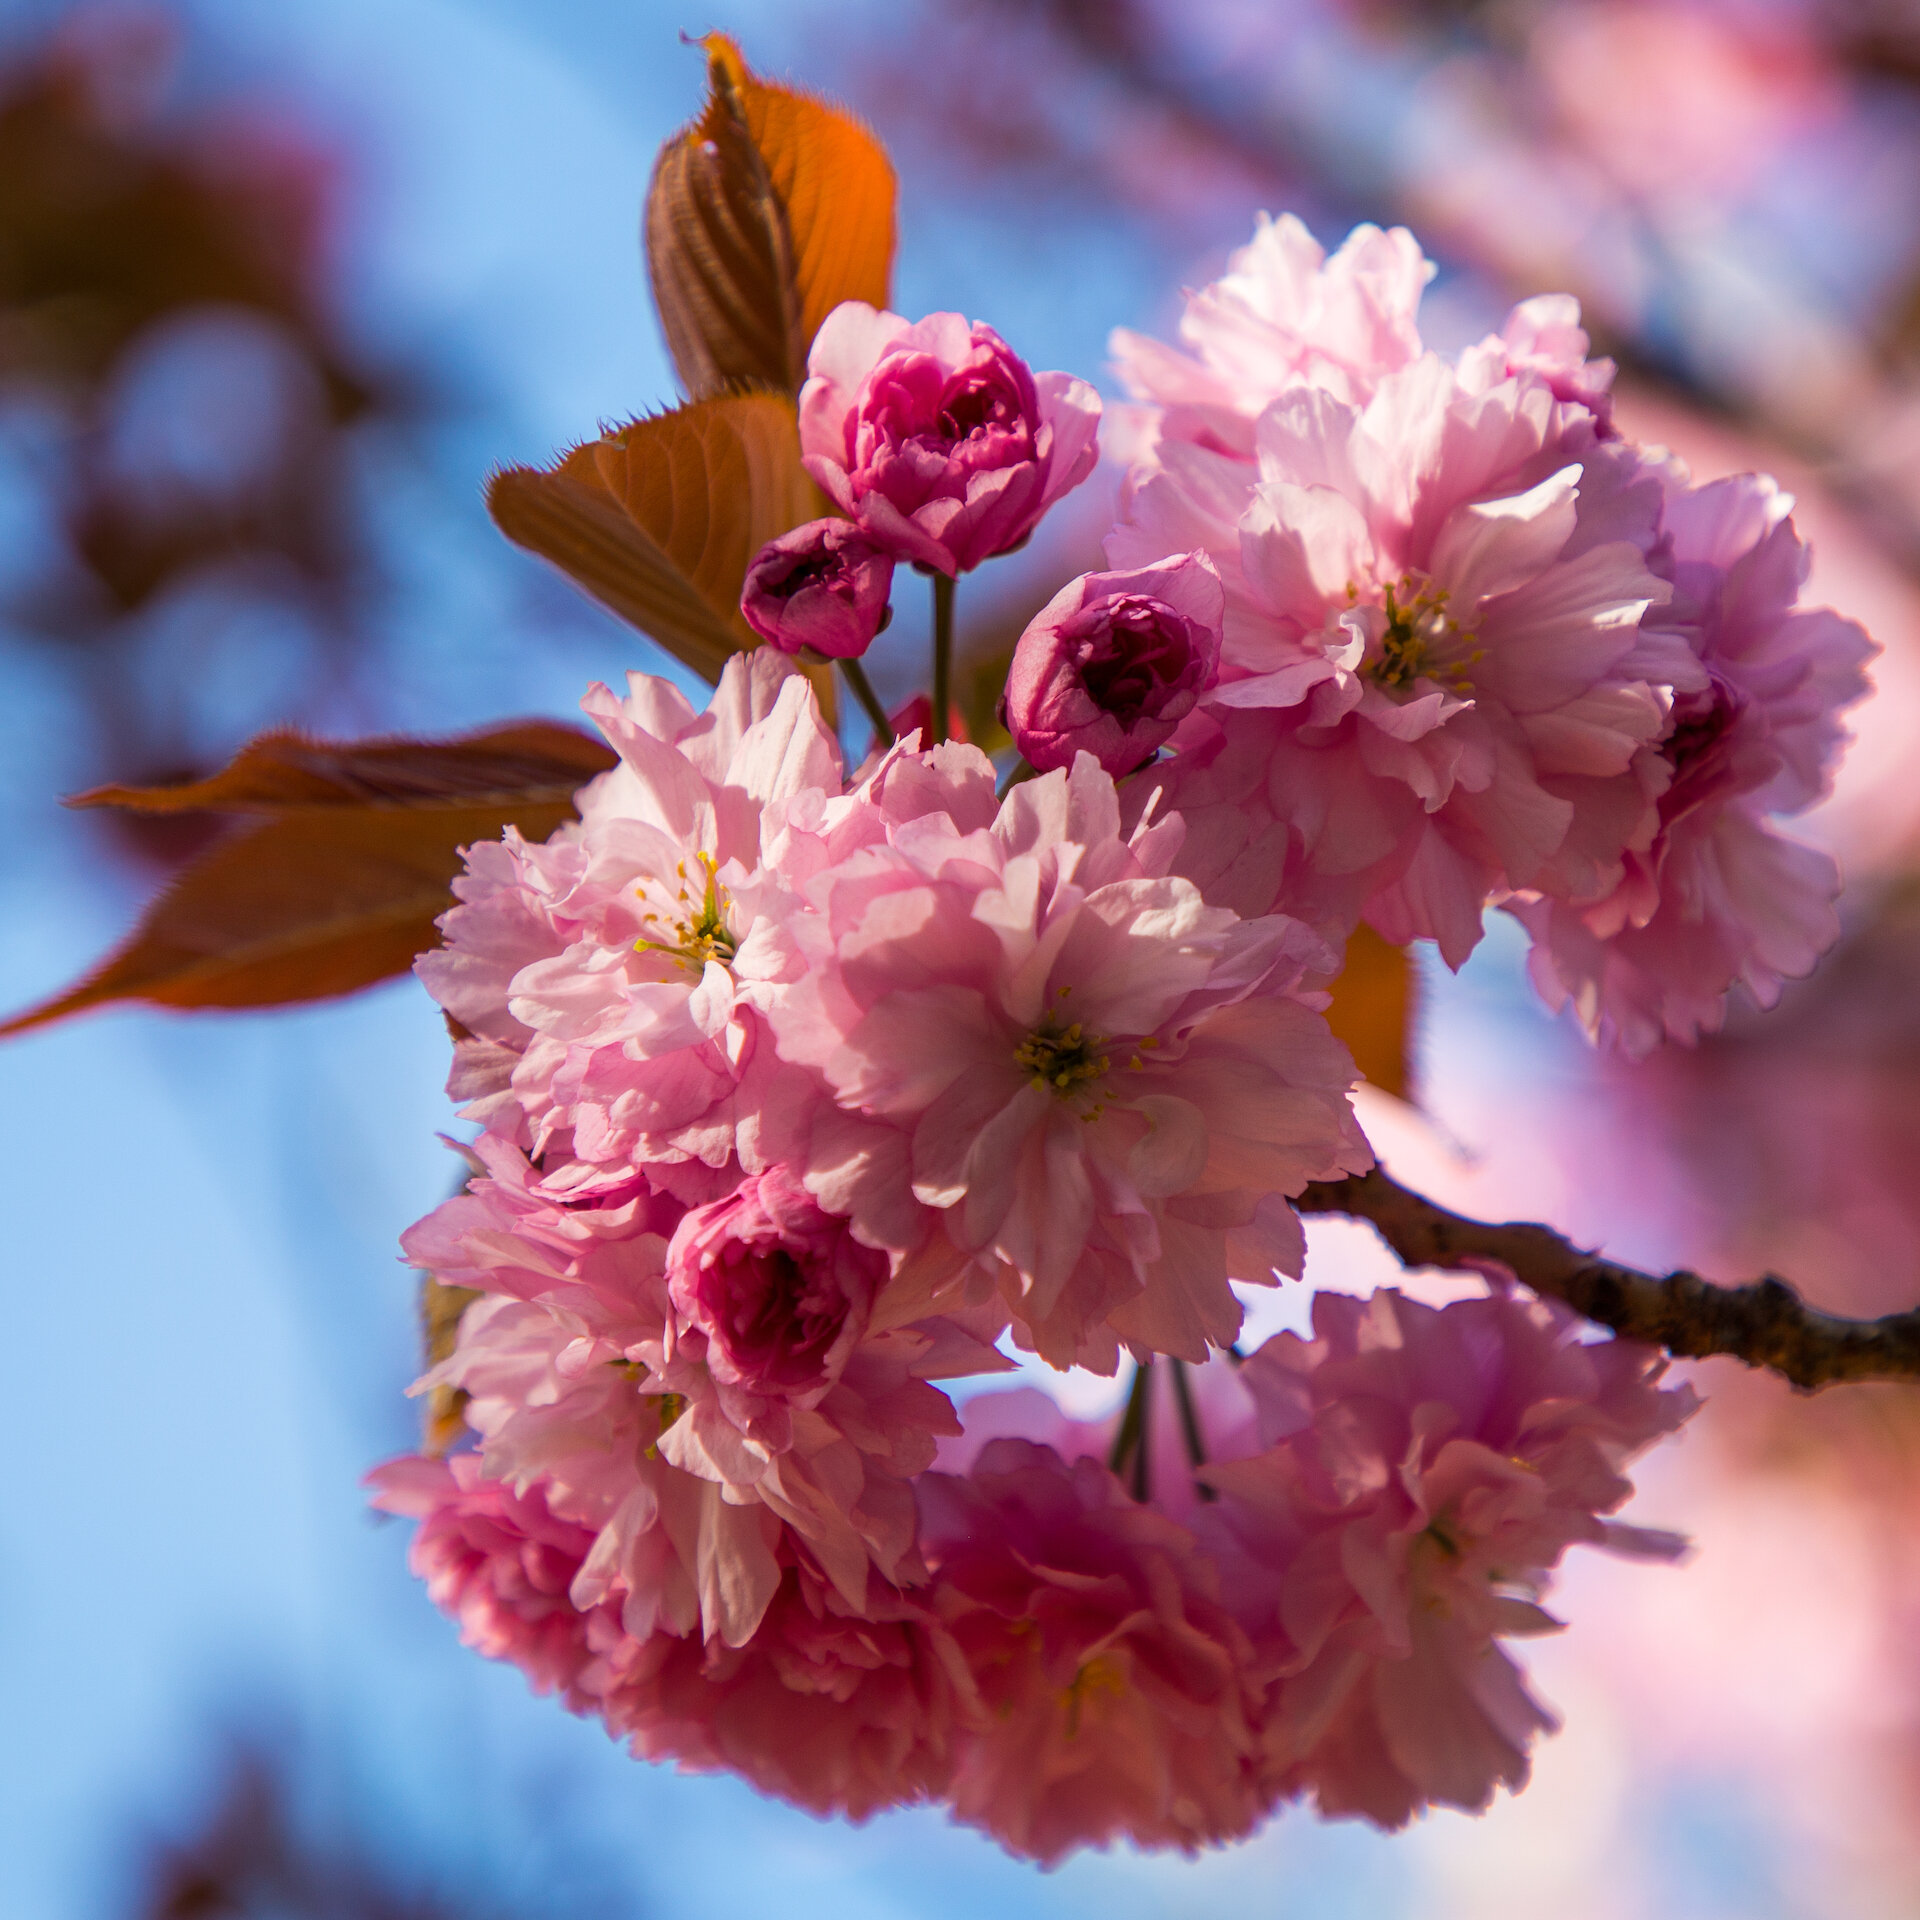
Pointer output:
1190, 1426
1140, 1481
942, 655
1130, 1438
856, 678
1765, 1324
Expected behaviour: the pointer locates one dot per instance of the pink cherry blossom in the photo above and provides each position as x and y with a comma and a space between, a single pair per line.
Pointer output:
1719, 896
556, 1407
1113, 663
1265, 832
1105, 1085
1283, 315
778, 1292
936, 437
1425, 1471
1113, 1690
609, 979
1437, 595
654, 1388
1543, 336
792, 1397
823, 587
836, 1708
499, 1562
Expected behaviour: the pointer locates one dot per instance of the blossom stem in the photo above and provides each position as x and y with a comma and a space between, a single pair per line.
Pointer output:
856, 678
1765, 1324
942, 654
1130, 1442
1190, 1425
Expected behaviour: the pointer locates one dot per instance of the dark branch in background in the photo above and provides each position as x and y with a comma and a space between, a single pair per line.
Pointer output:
1766, 1324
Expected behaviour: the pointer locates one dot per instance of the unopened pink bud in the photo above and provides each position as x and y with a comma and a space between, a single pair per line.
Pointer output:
823, 586
1114, 663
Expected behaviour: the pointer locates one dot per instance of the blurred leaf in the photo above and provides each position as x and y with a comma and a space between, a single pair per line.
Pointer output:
339, 886
1376, 1005
526, 759
660, 520
763, 216
442, 1418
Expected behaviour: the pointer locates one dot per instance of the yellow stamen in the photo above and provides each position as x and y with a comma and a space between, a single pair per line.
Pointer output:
1099, 1675
1419, 633
702, 935
1062, 1060
671, 1407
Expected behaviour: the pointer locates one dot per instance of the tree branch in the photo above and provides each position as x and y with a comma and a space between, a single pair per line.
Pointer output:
1766, 1324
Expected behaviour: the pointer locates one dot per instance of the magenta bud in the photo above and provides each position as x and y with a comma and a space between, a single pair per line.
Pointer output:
1114, 663
824, 586
937, 437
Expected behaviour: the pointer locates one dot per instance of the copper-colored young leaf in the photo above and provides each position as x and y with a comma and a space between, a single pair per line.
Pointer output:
521, 761
660, 519
762, 216
331, 890
1376, 1005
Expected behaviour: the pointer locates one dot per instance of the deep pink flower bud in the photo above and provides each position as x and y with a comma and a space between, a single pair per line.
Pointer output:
937, 437
781, 1290
1114, 662
824, 586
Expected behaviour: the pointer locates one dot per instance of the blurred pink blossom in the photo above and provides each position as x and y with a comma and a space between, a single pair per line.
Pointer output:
1680, 100
501, 1563
1283, 315
1720, 896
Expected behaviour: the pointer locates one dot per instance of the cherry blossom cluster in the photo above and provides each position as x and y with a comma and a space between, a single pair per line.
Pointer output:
803, 1091
1481, 650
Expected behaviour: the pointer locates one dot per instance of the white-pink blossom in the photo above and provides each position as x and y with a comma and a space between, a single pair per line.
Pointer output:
607, 981
1106, 1086
1283, 315
1436, 580
1436, 599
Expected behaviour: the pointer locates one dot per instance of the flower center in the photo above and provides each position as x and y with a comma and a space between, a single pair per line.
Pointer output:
1062, 1059
1100, 1675
700, 933
976, 405
807, 571
669, 1406
1420, 638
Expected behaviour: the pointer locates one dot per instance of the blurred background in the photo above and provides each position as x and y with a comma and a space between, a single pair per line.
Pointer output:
278, 284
